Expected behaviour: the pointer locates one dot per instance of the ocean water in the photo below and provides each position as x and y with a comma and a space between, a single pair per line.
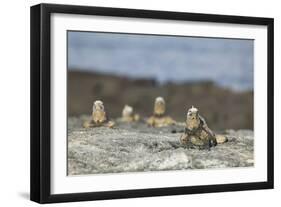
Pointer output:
226, 62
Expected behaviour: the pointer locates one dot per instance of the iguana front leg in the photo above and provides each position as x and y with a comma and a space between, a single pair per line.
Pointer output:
185, 140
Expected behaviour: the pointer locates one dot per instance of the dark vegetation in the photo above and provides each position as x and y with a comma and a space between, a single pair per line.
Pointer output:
222, 108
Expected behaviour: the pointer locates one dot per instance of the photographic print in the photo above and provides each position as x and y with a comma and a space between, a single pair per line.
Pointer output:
130, 103
148, 102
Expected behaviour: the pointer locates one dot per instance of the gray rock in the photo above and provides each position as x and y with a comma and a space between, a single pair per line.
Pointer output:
136, 147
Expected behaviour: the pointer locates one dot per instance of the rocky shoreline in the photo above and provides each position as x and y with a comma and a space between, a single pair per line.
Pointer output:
136, 147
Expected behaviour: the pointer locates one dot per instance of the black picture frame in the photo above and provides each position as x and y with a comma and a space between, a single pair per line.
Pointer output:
41, 102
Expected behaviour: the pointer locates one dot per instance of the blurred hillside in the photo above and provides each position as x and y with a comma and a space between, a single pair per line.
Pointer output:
222, 108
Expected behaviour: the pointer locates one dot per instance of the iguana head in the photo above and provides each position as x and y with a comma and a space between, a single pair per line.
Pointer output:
159, 106
98, 106
127, 111
192, 113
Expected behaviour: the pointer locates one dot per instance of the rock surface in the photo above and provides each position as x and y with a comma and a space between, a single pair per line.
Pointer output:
136, 147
